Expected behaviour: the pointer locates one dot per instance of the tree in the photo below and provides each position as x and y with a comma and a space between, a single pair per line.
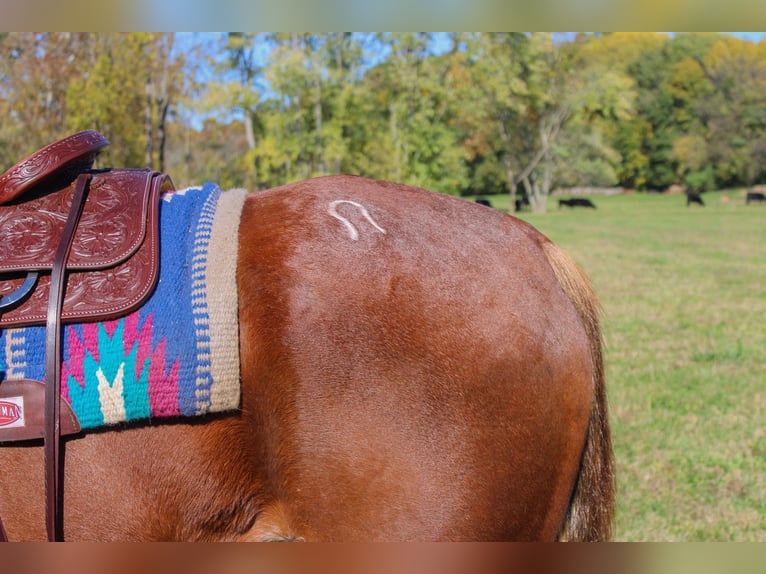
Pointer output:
732, 111
34, 73
526, 92
665, 102
292, 146
302, 123
622, 129
165, 81
111, 96
406, 113
123, 85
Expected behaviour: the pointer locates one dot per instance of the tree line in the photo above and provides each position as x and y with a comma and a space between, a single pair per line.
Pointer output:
462, 113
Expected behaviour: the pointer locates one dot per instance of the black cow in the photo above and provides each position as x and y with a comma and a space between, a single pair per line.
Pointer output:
693, 197
522, 202
577, 202
754, 196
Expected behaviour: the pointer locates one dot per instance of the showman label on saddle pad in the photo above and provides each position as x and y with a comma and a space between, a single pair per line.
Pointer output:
177, 355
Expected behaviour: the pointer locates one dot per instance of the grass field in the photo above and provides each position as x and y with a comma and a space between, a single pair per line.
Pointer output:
684, 297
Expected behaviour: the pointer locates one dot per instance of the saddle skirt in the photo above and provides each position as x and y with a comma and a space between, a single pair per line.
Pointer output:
178, 353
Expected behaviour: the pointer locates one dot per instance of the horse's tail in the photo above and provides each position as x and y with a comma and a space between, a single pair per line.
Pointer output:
591, 509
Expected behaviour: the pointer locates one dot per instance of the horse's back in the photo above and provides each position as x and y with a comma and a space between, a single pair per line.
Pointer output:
412, 367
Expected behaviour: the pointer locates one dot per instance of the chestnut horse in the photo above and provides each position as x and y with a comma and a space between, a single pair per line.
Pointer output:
414, 367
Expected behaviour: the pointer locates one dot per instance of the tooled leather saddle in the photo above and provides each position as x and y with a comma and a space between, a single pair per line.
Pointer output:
76, 244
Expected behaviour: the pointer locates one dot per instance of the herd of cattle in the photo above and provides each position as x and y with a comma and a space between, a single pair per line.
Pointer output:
750, 197
691, 198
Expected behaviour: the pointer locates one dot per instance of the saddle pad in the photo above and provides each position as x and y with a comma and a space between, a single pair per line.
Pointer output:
178, 354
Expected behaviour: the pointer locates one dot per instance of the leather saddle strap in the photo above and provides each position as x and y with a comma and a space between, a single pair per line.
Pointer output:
53, 335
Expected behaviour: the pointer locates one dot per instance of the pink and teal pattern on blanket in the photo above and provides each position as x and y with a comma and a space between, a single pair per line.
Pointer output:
178, 355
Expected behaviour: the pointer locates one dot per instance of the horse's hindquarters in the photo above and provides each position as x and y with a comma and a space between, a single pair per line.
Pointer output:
412, 367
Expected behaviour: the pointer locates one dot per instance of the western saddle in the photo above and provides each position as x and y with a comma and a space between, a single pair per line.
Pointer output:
76, 245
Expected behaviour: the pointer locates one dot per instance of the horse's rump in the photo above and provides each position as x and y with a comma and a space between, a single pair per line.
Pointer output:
419, 351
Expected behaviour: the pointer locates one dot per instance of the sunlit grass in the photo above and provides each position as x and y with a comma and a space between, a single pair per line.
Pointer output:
684, 297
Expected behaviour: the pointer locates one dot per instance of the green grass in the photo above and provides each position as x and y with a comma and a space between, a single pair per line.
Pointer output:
684, 297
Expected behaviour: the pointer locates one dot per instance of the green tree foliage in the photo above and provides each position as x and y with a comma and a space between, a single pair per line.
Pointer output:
120, 84
110, 98
623, 128
407, 128
539, 113
297, 133
132, 81
34, 69
662, 81
297, 130
461, 113
732, 110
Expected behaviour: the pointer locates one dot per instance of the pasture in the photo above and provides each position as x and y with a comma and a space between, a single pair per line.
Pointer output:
684, 297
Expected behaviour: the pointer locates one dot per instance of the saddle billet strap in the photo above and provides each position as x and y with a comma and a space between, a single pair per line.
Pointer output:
52, 433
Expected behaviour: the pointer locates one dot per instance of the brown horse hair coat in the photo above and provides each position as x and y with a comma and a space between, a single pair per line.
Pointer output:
414, 367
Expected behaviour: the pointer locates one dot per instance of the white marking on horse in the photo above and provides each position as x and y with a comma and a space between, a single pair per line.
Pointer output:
352, 231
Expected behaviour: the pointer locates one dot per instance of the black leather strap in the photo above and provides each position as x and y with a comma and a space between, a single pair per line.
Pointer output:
52, 433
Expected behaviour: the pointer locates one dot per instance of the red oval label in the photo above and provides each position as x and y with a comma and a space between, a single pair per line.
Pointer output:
9, 413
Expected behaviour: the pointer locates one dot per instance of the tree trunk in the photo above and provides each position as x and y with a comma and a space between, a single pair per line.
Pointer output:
537, 196
395, 142
162, 134
163, 105
149, 125
511, 184
318, 128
